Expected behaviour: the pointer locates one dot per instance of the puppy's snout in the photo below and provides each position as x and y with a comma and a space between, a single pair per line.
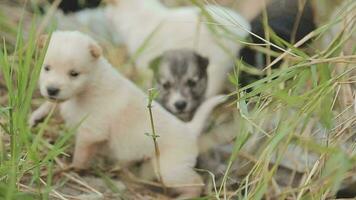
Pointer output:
180, 105
52, 91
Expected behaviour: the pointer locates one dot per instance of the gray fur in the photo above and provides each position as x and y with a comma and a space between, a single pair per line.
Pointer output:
181, 76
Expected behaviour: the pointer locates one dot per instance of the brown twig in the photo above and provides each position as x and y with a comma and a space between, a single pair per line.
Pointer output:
154, 138
301, 6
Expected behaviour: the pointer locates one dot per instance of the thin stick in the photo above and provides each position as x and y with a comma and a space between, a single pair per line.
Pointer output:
83, 184
154, 136
34, 191
54, 191
301, 6
315, 167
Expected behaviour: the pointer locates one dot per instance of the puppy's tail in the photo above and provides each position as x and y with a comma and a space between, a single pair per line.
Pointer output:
203, 112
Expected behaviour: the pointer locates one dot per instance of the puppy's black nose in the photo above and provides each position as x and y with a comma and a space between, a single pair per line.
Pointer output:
180, 105
52, 91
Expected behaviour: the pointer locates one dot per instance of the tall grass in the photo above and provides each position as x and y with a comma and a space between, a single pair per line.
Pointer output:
304, 88
28, 155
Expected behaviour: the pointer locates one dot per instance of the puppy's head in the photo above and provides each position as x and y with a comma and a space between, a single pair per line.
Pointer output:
181, 77
69, 64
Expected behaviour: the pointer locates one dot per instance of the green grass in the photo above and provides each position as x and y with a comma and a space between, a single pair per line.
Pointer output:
301, 98
24, 157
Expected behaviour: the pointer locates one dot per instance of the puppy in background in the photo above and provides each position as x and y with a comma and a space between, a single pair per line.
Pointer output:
69, 6
283, 20
162, 28
111, 111
181, 78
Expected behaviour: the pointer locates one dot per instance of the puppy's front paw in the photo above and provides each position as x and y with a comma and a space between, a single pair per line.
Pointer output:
80, 170
35, 119
79, 164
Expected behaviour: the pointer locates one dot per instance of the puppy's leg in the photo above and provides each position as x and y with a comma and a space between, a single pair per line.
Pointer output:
85, 147
178, 174
82, 152
147, 171
38, 115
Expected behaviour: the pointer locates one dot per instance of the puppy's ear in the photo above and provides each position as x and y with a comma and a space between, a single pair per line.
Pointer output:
154, 64
42, 41
202, 61
95, 51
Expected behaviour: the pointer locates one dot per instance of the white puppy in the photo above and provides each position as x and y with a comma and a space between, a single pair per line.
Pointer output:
140, 21
112, 110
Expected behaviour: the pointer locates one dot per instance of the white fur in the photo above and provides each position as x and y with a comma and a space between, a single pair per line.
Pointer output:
173, 98
112, 110
91, 21
176, 28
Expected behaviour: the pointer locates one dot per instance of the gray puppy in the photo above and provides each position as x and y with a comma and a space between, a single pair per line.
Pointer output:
181, 78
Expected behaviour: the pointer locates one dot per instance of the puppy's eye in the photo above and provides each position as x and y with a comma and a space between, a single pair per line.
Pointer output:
166, 85
47, 68
73, 73
191, 83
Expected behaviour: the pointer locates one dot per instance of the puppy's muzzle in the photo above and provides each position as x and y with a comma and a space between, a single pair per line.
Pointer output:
52, 91
180, 105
